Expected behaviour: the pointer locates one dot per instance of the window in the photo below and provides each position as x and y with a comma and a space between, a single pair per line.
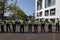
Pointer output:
49, 3
39, 4
53, 2
40, 13
46, 13
37, 14
52, 12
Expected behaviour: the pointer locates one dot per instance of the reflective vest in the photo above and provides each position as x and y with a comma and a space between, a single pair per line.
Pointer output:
57, 21
21, 22
7, 21
35, 22
2, 23
43, 22
13, 21
50, 22
29, 22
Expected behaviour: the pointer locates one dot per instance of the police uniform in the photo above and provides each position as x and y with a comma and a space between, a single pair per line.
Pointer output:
57, 25
2, 26
14, 25
30, 26
21, 25
35, 26
42, 25
50, 26
8, 25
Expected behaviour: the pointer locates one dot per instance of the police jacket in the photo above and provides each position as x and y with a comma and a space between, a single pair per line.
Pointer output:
13, 22
21, 22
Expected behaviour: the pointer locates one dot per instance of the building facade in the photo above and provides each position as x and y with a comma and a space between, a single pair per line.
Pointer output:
47, 9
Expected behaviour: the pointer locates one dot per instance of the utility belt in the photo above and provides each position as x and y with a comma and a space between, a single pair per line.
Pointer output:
50, 24
2, 24
42, 23
13, 24
35, 24
57, 23
21, 24
29, 24
7, 23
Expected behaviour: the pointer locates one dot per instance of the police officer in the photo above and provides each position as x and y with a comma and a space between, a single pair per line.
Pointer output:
8, 25
50, 26
57, 25
42, 25
35, 26
30, 25
21, 25
14, 25
2, 26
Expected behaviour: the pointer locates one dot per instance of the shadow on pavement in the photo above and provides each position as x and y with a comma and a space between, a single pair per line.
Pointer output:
30, 32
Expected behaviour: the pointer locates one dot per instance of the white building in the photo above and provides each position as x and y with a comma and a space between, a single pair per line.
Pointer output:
47, 9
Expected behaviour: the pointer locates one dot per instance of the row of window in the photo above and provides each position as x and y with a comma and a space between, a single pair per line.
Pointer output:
53, 20
47, 13
48, 3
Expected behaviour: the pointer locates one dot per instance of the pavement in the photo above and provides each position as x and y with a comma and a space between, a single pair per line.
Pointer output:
30, 36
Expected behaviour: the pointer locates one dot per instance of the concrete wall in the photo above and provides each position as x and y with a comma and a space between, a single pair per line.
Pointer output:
57, 6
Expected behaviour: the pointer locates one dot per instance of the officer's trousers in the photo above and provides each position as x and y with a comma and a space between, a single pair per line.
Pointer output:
21, 28
57, 27
35, 28
8, 27
42, 27
30, 28
14, 27
2, 28
49, 28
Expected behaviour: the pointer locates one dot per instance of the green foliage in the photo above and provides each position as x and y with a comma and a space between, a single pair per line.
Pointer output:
2, 8
12, 8
1, 5
17, 11
30, 16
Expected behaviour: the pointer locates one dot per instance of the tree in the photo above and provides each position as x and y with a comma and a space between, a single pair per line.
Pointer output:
18, 12
2, 7
12, 8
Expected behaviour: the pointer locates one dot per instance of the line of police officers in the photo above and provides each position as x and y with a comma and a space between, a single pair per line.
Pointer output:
30, 25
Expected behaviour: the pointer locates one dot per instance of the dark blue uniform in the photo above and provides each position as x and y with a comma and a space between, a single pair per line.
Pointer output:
8, 25
57, 25
30, 26
2, 26
14, 25
35, 26
50, 26
42, 25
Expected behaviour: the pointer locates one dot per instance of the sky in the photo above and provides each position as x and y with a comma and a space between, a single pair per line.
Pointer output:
26, 5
